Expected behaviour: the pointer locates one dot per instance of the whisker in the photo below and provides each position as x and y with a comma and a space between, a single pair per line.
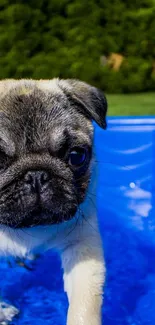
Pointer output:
75, 225
19, 236
12, 239
101, 196
105, 201
88, 222
25, 232
92, 202
3, 231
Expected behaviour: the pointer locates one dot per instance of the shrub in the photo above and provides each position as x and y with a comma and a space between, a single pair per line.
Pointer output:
66, 38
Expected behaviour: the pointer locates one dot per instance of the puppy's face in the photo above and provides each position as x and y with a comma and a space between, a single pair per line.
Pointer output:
46, 137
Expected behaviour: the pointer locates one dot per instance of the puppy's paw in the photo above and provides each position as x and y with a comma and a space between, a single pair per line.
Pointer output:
7, 312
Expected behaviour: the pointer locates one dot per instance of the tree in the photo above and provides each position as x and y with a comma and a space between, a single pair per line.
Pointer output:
67, 38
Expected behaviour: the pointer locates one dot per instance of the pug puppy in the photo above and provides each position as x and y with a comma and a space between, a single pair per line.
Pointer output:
48, 179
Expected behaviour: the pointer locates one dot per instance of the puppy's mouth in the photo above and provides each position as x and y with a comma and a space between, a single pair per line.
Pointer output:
38, 217
42, 217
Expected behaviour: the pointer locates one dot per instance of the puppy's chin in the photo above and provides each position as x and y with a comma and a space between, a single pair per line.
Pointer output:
41, 217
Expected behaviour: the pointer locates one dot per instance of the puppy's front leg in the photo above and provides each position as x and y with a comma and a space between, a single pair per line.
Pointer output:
84, 276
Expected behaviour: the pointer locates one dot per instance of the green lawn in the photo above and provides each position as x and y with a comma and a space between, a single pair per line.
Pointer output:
133, 104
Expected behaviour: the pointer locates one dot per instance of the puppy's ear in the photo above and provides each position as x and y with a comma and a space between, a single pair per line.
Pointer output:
90, 100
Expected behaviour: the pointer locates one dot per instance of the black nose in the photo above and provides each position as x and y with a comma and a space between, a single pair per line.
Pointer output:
37, 179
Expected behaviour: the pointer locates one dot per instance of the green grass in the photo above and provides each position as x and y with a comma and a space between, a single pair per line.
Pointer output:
133, 104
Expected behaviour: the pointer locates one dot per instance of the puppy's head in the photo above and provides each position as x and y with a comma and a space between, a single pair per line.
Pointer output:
46, 137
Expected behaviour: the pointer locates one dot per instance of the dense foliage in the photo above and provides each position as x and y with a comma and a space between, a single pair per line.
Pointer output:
74, 38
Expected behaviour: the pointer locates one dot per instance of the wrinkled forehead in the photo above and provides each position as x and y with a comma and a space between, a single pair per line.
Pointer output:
34, 119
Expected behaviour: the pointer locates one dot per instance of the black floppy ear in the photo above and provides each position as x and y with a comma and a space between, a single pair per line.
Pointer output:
91, 100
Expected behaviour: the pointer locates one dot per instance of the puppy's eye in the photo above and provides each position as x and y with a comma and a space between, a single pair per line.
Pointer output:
77, 157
